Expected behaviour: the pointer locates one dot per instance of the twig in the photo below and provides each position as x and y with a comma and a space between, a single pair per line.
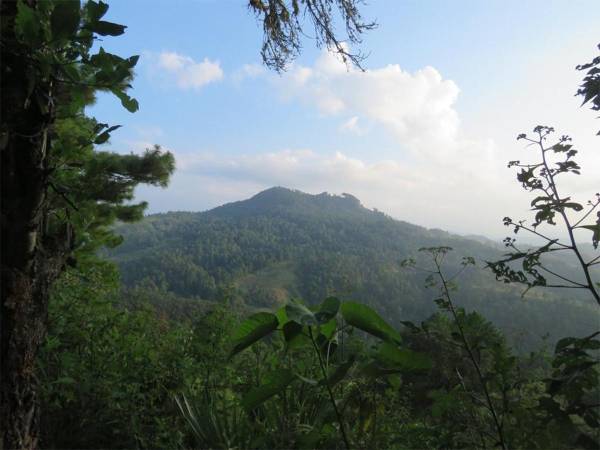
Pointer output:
63, 195
488, 398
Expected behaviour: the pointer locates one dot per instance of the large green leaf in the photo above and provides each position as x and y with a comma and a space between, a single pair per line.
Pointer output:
297, 312
393, 357
367, 320
253, 329
328, 329
292, 333
328, 310
277, 382
104, 28
64, 20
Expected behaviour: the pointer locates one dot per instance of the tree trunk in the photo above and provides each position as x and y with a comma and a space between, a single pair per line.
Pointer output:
30, 259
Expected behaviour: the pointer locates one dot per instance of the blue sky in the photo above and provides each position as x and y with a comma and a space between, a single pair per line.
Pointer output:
423, 134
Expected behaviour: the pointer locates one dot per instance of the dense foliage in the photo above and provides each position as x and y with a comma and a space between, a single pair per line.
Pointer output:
125, 377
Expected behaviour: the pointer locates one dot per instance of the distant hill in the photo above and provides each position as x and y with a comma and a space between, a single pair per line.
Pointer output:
283, 243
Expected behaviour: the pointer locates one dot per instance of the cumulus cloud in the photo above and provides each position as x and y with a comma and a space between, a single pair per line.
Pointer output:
185, 71
417, 108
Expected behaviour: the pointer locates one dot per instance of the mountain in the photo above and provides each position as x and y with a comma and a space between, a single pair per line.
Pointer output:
283, 243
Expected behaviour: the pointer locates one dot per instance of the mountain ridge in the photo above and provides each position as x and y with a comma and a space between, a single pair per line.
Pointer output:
282, 243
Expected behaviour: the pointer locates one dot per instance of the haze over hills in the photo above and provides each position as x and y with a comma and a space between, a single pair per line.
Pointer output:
283, 243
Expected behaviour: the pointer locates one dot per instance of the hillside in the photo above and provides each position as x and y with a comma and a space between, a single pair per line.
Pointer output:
283, 243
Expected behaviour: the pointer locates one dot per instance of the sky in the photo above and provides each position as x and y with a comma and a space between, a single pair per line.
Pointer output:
423, 134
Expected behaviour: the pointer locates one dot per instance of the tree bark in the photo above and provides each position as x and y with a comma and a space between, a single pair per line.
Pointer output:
30, 259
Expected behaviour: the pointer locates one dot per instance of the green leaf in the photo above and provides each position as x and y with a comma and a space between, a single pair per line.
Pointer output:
572, 205
297, 312
130, 104
277, 383
27, 25
103, 137
595, 229
64, 20
291, 329
328, 329
282, 317
340, 372
107, 28
105, 60
253, 329
329, 308
292, 333
367, 320
95, 10
132, 61
393, 357
99, 127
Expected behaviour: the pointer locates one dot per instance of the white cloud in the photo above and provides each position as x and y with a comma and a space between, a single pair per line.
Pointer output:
185, 71
173, 61
248, 71
417, 108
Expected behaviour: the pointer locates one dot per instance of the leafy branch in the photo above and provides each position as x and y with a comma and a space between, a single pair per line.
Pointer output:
541, 178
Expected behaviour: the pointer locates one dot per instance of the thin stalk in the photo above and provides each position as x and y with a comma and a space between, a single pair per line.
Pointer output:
592, 208
575, 283
329, 391
537, 233
474, 400
488, 398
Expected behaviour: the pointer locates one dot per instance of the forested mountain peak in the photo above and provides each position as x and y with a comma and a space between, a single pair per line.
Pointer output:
291, 201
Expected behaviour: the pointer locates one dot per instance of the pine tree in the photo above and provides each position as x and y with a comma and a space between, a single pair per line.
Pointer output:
59, 195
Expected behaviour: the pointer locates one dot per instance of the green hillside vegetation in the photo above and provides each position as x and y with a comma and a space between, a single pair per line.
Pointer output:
283, 244
120, 372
